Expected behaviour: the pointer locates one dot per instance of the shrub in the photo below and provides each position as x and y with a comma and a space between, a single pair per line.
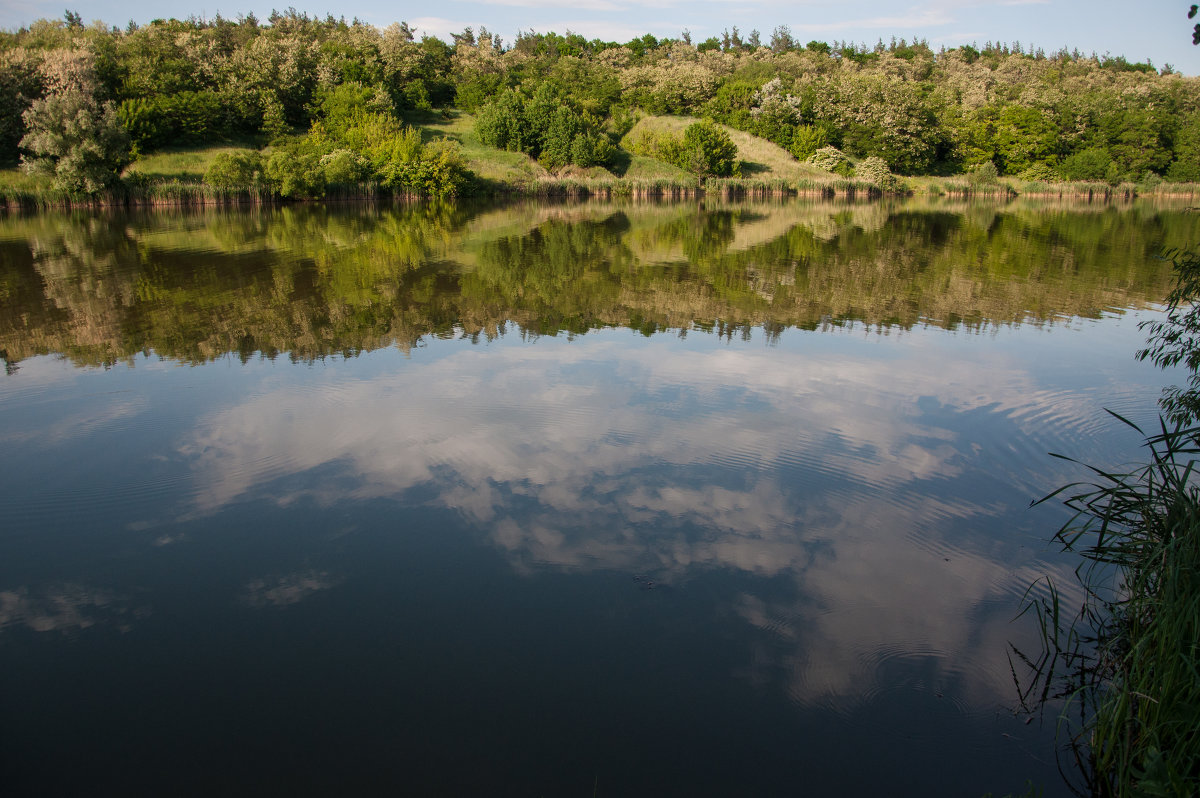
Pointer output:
875, 169
188, 117
75, 140
1089, 164
708, 151
545, 126
1039, 172
295, 171
235, 171
1184, 170
807, 140
831, 159
344, 168
985, 174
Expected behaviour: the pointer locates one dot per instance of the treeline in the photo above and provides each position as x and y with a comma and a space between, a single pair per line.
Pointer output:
335, 96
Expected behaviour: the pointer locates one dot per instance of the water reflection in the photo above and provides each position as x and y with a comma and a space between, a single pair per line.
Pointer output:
501, 426
311, 282
862, 483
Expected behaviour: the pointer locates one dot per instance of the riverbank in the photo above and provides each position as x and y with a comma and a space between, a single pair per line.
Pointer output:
177, 177
19, 192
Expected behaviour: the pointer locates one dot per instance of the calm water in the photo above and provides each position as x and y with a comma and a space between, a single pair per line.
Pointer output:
548, 500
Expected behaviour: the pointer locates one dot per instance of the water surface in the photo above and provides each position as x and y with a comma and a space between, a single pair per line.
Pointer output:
549, 500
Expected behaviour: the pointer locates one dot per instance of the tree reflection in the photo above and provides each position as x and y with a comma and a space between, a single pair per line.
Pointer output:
319, 281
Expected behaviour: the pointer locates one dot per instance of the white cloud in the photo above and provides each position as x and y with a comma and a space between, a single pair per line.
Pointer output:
917, 18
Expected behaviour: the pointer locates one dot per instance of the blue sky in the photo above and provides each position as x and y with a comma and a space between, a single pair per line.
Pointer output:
1154, 29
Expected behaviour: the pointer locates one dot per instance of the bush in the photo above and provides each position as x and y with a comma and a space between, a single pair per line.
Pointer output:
708, 151
1091, 164
75, 140
295, 171
704, 149
501, 123
189, 117
1039, 172
876, 170
831, 159
235, 171
807, 140
1184, 170
545, 126
344, 168
985, 174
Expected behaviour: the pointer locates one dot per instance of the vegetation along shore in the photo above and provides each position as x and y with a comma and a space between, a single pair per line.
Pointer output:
296, 107
1126, 660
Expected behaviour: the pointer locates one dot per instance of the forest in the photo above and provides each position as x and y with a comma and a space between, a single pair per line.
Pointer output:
316, 105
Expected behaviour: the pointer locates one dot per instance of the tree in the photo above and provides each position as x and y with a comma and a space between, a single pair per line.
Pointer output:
781, 40
20, 85
708, 152
70, 136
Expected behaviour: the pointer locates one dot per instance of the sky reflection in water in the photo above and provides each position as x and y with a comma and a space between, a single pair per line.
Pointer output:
436, 562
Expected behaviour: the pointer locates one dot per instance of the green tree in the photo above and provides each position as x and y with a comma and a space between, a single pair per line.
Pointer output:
20, 85
70, 136
1093, 163
708, 151
235, 171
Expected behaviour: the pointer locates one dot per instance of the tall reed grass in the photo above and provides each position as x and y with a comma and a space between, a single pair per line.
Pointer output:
1128, 662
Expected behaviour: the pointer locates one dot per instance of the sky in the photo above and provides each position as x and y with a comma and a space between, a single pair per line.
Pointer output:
1158, 30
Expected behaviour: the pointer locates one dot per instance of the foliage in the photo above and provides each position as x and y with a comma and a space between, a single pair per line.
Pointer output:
236, 171
806, 140
1186, 166
1175, 339
831, 159
707, 151
1127, 661
203, 80
1091, 164
185, 118
1037, 172
545, 126
294, 170
703, 150
876, 170
985, 174
70, 135
20, 85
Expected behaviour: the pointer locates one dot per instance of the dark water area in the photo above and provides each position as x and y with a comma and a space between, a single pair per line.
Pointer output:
626, 499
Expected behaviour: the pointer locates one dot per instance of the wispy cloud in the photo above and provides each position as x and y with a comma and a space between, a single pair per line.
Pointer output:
917, 18
439, 26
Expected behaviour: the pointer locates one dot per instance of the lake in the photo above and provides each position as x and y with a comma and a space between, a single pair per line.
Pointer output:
533, 499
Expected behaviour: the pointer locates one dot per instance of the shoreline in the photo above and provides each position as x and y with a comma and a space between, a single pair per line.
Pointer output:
175, 195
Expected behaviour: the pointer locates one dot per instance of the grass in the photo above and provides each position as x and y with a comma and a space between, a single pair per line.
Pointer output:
761, 159
494, 167
182, 164
1128, 662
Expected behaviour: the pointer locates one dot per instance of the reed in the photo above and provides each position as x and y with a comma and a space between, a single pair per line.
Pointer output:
1127, 662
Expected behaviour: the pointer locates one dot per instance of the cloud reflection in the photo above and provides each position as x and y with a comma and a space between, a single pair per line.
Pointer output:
825, 470
63, 608
283, 591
